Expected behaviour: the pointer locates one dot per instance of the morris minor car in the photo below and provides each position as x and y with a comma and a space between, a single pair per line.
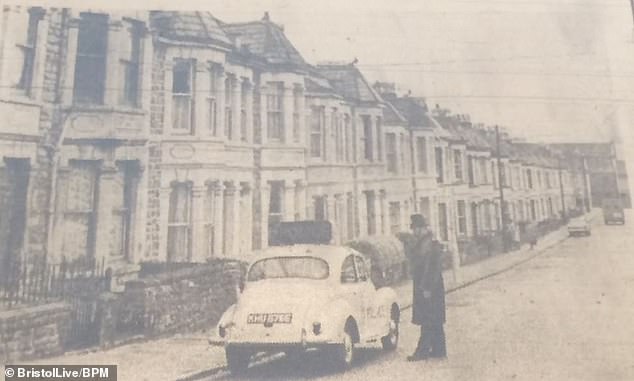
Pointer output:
303, 297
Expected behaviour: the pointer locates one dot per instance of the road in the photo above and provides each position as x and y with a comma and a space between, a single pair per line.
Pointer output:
567, 314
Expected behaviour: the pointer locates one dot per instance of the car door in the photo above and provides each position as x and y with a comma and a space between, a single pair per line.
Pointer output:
373, 311
353, 291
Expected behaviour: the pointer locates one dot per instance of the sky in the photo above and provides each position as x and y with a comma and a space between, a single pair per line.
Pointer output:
545, 70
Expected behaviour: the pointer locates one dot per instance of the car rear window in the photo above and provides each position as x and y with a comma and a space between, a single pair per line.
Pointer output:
288, 267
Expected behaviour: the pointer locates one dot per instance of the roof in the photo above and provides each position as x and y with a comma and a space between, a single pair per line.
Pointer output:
267, 40
587, 149
199, 27
349, 82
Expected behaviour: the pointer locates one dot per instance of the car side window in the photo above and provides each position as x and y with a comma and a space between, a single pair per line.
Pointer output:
348, 272
361, 268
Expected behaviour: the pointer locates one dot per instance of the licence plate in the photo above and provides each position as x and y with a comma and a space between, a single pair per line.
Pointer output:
270, 318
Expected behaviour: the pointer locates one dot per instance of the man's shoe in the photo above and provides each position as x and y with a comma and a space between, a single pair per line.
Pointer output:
417, 357
438, 355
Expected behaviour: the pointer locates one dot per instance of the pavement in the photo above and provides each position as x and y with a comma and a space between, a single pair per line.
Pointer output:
190, 357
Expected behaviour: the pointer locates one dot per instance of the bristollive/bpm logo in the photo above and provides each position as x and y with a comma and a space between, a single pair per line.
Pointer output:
61, 372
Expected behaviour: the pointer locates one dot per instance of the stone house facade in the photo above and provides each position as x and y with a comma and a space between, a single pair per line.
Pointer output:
173, 136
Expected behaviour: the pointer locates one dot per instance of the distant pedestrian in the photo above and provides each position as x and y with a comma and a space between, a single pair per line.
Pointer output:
532, 235
428, 306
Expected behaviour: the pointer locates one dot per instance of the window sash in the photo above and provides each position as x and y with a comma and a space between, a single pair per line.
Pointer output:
421, 150
182, 113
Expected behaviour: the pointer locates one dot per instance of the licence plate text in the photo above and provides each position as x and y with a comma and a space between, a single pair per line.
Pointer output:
270, 318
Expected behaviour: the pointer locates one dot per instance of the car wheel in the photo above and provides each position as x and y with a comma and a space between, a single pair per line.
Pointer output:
237, 360
390, 342
346, 351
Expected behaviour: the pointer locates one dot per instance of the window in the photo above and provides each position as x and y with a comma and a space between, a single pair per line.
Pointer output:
130, 65
529, 179
13, 197
362, 269
457, 162
210, 218
390, 152
440, 169
212, 103
229, 90
321, 208
402, 151
474, 219
289, 267
350, 214
379, 143
348, 271
367, 137
348, 138
274, 107
494, 175
28, 49
395, 217
470, 170
124, 201
370, 211
257, 115
182, 91
533, 210
276, 202
502, 175
316, 125
179, 223
244, 92
80, 209
90, 63
484, 171
298, 96
421, 154
462, 217
442, 222
337, 129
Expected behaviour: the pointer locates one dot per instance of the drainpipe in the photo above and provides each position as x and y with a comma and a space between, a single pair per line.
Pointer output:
53, 149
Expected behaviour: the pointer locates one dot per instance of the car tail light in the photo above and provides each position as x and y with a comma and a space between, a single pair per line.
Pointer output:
303, 337
222, 331
316, 328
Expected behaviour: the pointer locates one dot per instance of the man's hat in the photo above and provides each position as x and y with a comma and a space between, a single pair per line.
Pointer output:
417, 220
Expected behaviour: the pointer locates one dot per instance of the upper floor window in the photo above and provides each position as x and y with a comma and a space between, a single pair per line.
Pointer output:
462, 217
403, 151
440, 165
131, 64
275, 114
90, 63
298, 95
529, 179
28, 50
390, 152
212, 99
230, 83
457, 160
368, 144
379, 143
182, 96
316, 126
421, 154
244, 92
347, 134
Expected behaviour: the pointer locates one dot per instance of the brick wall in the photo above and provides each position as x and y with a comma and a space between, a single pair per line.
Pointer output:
33, 332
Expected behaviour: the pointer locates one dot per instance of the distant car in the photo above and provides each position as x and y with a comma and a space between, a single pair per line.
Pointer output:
613, 212
303, 297
579, 226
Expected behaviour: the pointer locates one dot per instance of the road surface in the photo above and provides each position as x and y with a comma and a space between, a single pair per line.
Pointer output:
568, 314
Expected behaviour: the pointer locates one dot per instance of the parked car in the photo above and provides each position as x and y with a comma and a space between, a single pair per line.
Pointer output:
613, 212
303, 297
579, 226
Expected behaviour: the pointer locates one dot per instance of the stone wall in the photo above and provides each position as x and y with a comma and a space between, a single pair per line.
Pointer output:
33, 332
177, 300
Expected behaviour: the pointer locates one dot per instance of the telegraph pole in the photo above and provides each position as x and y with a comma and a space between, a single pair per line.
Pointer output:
501, 186
586, 192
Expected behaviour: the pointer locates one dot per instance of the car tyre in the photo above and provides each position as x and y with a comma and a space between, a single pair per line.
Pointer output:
237, 360
390, 342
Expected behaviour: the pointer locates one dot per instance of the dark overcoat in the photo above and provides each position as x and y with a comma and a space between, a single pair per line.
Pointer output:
425, 260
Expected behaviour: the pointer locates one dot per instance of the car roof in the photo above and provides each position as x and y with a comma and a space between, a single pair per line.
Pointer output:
332, 254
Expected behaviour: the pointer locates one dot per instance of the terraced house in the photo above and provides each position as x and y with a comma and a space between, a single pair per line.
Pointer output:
176, 137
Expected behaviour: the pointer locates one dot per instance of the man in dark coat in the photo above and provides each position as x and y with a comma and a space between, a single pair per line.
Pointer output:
428, 307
